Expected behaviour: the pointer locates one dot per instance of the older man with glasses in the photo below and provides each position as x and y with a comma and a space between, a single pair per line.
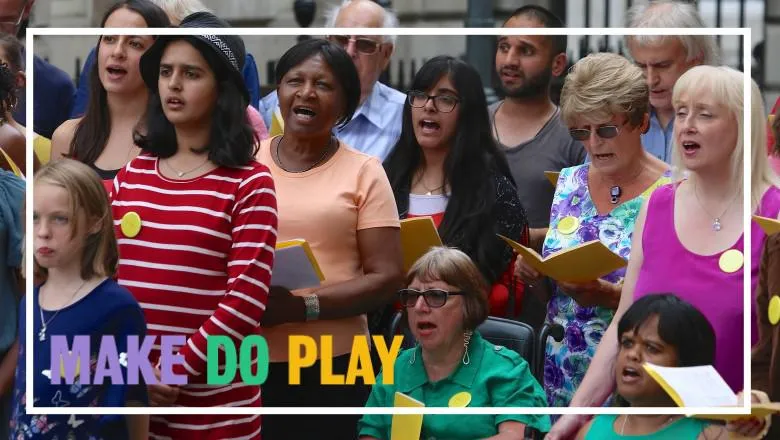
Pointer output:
376, 125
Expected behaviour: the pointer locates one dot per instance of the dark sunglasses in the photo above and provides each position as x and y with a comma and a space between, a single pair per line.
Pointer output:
604, 132
435, 298
442, 103
362, 45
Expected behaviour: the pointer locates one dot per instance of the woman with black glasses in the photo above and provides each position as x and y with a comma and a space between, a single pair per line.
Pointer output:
604, 102
452, 365
446, 165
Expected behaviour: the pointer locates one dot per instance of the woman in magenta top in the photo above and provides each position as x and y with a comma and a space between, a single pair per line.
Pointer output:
692, 230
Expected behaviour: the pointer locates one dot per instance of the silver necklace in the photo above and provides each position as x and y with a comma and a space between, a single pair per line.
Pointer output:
184, 173
716, 225
325, 151
45, 324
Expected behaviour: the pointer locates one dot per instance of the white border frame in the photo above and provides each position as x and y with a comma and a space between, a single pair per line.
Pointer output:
747, 62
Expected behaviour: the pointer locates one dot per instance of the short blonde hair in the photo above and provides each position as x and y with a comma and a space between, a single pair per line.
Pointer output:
603, 85
455, 268
88, 196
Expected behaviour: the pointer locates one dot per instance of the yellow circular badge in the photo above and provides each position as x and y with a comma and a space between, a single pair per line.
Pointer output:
774, 310
460, 400
131, 224
731, 261
568, 225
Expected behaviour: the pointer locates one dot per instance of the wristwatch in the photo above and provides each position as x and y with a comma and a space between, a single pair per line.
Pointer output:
312, 303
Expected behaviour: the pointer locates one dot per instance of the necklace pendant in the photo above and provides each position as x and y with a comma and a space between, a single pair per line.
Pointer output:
42, 334
179, 174
716, 225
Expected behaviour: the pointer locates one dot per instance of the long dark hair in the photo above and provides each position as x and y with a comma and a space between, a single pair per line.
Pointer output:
231, 141
93, 130
471, 165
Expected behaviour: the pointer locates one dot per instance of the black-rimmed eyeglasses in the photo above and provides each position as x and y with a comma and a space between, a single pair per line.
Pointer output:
435, 298
442, 103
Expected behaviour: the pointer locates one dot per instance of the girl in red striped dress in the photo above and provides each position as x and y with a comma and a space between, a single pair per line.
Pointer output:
195, 218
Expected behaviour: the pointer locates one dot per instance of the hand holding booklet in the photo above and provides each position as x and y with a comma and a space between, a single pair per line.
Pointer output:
584, 262
295, 266
702, 386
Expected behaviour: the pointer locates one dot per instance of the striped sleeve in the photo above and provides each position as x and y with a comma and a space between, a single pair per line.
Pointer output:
238, 314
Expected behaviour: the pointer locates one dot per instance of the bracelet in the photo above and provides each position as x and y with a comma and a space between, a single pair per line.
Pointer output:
312, 303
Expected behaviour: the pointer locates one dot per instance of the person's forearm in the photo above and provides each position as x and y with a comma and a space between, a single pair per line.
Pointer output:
599, 380
7, 368
358, 296
138, 426
536, 238
510, 435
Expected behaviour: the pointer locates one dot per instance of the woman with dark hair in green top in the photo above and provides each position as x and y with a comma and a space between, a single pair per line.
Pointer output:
452, 365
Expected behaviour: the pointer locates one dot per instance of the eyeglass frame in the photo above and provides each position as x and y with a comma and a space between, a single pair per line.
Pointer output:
412, 93
615, 126
15, 24
423, 294
353, 38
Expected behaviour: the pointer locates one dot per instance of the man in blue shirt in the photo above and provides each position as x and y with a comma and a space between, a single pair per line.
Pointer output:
376, 125
664, 59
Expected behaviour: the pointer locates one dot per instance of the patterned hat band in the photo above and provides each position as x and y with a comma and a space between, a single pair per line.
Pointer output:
224, 48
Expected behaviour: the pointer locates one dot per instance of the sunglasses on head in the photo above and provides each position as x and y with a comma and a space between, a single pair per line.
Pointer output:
434, 298
363, 45
604, 132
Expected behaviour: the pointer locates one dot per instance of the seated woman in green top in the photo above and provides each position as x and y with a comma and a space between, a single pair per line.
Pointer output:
452, 365
662, 330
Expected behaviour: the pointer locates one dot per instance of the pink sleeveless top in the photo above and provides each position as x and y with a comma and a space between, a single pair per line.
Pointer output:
668, 267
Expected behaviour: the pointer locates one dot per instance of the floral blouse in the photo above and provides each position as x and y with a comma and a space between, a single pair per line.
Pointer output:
575, 220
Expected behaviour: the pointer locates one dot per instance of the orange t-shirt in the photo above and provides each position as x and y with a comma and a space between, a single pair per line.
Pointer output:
326, 206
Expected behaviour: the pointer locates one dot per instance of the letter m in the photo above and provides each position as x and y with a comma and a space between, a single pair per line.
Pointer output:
67, 363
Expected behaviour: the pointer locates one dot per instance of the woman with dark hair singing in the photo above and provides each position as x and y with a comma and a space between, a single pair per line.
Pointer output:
103, 137
339, 200
446, 165
195, 218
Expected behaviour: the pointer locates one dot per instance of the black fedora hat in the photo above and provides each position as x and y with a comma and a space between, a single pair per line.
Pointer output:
229, 48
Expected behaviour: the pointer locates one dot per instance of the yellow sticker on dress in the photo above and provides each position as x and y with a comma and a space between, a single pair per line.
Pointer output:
568, 225
131, 224
774, 310
460, 400
731, 261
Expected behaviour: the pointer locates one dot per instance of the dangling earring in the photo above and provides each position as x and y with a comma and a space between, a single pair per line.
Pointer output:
466, 340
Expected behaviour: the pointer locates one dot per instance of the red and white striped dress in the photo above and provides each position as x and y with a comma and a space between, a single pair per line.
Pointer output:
200, 265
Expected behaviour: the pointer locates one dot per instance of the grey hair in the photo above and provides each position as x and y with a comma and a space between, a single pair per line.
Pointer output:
180, 9
672, 14
389, 20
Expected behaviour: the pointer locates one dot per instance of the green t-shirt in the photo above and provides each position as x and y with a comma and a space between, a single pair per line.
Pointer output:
495, 377
685, 428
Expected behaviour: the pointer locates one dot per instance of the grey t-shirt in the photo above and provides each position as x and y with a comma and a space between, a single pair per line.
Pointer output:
552, 149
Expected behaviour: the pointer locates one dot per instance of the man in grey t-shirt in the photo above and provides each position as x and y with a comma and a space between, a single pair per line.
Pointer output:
528, 127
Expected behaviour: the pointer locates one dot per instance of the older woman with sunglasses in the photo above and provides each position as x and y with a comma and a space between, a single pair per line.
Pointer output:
604, 102
452, 365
